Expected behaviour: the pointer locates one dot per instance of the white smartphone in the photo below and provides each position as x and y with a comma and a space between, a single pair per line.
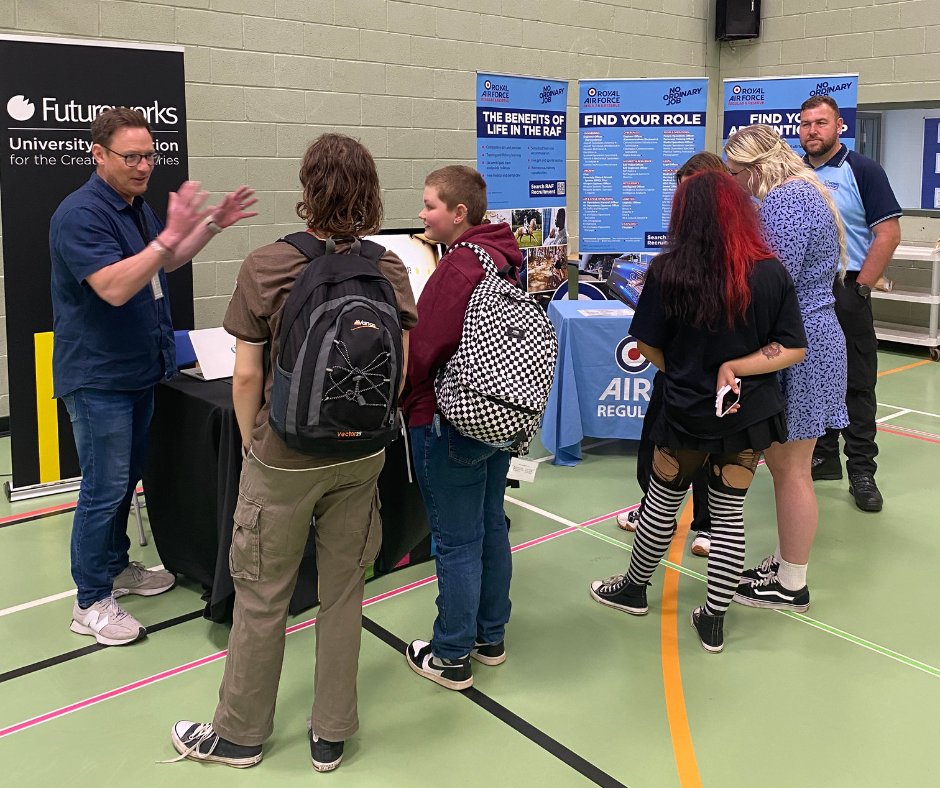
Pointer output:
727, 398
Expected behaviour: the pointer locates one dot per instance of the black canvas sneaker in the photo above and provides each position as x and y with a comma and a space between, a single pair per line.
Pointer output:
326, 755
199, 742
710, 630
769, 593
454, 674
765, 568
489, 653
620, 593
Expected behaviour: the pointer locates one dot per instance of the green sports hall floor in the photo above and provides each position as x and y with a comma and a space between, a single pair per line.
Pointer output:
846, 695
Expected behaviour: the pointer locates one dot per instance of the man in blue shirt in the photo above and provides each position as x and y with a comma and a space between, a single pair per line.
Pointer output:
870, 212
113, 341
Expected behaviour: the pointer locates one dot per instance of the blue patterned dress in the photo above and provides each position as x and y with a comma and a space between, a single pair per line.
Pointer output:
800, 229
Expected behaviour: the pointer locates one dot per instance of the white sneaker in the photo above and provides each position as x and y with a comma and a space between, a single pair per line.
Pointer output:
702, 544
628, 521
107, 622
135, 579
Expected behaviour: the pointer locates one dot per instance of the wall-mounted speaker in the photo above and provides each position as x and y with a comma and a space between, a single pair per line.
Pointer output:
737, 19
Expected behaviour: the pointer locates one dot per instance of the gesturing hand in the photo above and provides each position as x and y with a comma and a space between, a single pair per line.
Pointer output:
184, 211
233, 205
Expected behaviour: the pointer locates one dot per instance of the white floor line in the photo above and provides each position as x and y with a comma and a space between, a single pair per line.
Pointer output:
47, 599
894, 415
911, 410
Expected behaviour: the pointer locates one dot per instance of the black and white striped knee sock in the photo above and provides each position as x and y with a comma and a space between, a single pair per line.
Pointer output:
655, 531
726, 556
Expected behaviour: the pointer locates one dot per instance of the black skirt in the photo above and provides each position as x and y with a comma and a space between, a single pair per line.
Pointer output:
758, 436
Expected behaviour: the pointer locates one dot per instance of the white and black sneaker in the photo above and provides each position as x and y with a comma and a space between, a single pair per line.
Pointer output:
710, 630
628, 521
325, 755
620, 593
199, 742
489, 653
702, 544
769, 593
766, 568
454, 674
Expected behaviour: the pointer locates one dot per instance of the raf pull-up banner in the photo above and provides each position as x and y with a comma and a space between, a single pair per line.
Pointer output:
50, 91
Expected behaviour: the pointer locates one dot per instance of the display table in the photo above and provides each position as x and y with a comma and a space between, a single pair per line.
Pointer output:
191, 485
602, 383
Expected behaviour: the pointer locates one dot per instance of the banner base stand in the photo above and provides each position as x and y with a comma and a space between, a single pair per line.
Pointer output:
40, 490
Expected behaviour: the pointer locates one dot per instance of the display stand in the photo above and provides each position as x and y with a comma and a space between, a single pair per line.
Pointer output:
908, 334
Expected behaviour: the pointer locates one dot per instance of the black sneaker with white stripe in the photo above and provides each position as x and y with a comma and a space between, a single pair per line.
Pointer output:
489, 653
620, 593
199, 742
454, 674
766, 568
769, 593
710, 630
325, 755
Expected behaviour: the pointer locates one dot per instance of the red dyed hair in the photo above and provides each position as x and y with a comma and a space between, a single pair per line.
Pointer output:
715, 240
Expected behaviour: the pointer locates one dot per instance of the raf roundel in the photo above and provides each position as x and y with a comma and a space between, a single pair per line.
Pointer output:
629, 358
487, 84
736, 89
592, 92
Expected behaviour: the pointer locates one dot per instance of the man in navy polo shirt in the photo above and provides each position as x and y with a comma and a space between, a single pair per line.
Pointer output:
113, 341
870, 212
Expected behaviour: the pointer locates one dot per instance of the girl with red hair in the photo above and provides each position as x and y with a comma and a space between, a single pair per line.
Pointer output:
717, 310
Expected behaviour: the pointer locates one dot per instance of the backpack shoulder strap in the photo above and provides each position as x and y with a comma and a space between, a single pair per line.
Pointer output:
370, 250
306, 243
483, 256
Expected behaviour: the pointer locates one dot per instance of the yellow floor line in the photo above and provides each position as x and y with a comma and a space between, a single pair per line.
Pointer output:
682, 747
905, 367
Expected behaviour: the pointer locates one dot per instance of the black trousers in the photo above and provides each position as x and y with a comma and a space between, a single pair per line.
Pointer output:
855, 317
644, 460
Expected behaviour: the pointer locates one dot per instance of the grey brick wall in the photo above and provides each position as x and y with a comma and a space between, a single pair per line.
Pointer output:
266, 76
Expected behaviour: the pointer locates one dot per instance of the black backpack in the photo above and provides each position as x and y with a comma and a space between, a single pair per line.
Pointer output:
339, 364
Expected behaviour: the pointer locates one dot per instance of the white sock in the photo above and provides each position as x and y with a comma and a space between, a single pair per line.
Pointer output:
792, 576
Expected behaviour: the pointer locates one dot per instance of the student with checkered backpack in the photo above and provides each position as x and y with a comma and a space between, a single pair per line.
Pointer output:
462, 475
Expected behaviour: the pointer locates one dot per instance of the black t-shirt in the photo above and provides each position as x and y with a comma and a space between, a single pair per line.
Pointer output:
694, 355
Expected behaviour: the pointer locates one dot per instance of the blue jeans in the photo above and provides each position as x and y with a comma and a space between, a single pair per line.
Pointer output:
111, 430
463, 482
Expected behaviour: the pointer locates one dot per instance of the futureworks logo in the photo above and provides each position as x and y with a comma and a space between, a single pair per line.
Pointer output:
20, 108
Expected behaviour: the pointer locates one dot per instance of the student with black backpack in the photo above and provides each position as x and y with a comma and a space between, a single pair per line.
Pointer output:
332, 313
462, 479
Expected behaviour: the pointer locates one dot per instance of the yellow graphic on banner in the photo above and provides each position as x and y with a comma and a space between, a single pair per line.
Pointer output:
47, 413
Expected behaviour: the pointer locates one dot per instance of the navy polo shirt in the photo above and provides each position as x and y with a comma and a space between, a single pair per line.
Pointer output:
96, 345
863, 195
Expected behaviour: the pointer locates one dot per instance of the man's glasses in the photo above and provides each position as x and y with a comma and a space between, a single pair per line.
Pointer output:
133, 159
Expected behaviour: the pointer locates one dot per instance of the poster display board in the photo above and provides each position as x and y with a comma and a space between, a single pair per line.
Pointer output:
521, 126
635, 134
775, 101
930, 175
50, 91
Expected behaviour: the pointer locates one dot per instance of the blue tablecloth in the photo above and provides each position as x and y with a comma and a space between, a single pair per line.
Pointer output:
602, 383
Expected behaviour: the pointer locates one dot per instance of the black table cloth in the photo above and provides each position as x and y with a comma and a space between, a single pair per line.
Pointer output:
191, 486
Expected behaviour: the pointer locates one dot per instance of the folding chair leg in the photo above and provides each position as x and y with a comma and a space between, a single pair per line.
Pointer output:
141, 536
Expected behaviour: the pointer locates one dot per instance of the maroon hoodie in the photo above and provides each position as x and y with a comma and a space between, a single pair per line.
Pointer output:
441, 311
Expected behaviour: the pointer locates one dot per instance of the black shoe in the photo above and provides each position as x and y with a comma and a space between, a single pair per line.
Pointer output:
710, 630
199, 742
489, 653
326, 755
867, 495
769, 593
827, 469
620, 593
766, 568
454, 674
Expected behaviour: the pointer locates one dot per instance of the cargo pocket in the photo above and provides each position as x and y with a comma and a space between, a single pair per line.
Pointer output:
374, 536
244, 559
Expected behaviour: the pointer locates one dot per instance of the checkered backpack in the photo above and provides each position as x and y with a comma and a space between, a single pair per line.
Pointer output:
495, 387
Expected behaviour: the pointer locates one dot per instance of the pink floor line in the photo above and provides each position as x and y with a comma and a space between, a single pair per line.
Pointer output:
180, 669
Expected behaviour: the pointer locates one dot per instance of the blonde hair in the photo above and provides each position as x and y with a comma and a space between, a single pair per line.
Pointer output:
771, 161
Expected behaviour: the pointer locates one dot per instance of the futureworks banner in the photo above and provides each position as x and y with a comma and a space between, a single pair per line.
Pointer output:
521, 125
775, 101
635, 134
50, 91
